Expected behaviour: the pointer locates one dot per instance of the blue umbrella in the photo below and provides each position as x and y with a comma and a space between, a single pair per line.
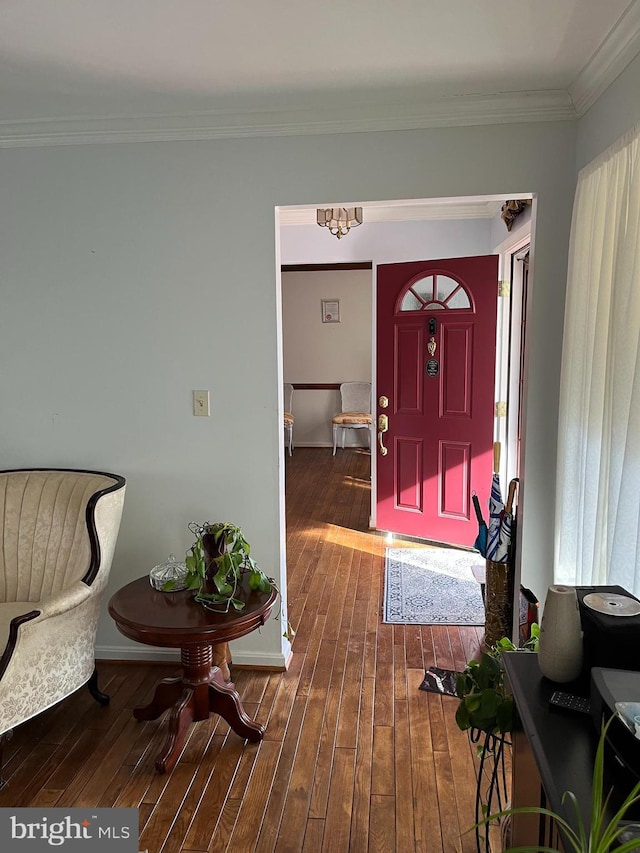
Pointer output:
501, 531
495, 547
481, 539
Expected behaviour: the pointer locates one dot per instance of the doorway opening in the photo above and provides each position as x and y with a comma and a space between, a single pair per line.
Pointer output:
395, 232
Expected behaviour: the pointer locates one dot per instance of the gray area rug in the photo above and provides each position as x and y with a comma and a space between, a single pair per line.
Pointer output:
432, 586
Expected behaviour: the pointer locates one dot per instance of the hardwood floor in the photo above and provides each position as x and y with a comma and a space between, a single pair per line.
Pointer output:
355, 756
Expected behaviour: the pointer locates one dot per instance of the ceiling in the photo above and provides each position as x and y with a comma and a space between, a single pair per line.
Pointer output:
126, 70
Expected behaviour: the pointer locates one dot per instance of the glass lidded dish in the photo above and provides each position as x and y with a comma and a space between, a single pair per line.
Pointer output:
173, 570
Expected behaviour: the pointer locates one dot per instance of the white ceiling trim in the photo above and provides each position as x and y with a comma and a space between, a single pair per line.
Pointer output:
407, 212
501, 108
621, 45
614, 54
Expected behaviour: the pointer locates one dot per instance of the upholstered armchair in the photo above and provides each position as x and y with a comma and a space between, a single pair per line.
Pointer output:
58, 530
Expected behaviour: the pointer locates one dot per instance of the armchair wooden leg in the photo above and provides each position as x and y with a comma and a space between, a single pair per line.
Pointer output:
5, 737
97, 694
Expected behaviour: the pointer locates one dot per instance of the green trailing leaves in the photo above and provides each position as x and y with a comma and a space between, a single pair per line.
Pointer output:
484, 705
258, 581
485, 702
217, 577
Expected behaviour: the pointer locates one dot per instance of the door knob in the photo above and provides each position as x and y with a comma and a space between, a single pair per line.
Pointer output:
383, 426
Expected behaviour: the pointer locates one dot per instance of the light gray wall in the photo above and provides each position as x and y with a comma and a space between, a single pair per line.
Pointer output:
386, 242
615, 112
132, 274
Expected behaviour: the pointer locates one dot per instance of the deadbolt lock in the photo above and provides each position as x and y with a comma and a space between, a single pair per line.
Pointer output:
383, 402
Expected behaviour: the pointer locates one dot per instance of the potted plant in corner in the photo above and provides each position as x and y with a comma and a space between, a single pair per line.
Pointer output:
485, 703
604, 830
487, 711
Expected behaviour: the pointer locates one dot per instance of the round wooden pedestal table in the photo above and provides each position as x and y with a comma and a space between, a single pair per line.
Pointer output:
175, 620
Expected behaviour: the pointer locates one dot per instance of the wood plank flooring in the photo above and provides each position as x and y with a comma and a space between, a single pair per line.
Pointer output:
355, 757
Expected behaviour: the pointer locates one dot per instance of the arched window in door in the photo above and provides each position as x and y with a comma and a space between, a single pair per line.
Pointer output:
435, 292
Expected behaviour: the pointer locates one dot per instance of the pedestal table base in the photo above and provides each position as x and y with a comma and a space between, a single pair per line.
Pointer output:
199, 692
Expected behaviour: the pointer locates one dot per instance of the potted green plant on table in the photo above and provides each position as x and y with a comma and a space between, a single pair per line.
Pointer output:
216, 564
217, 561
601, 834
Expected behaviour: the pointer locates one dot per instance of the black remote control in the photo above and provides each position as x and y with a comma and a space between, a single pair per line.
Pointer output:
570, 702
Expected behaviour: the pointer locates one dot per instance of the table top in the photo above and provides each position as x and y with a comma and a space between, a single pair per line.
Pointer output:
174, 619
563, 743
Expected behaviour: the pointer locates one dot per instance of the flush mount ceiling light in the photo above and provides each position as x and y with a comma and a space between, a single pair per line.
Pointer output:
340, 220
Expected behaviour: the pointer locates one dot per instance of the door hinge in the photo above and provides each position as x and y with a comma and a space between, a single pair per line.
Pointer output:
501, 409
504, 288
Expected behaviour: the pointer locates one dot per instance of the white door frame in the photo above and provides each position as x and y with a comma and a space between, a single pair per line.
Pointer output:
508, 343
507, 353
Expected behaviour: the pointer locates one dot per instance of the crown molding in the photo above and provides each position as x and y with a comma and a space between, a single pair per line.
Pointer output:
461, 110
619, 48
402, 213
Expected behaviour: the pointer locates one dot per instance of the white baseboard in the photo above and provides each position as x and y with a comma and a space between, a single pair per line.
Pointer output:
264, 660
326, 444
141, 653
260, 660
311, 444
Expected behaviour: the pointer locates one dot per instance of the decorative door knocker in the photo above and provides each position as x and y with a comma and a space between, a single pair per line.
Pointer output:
431, 346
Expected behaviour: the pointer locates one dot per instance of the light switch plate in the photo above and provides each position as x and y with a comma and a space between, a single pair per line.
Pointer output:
201, 404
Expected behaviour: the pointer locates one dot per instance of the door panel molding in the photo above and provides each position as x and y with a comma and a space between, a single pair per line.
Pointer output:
409, 474
408, 395
457, 353
455, 493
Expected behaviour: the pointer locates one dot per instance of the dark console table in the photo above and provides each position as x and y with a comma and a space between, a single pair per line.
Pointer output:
553, 752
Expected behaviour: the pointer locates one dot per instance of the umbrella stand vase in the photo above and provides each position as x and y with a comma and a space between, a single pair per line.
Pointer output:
498, 602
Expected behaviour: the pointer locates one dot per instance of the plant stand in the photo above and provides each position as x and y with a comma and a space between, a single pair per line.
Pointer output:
492, 790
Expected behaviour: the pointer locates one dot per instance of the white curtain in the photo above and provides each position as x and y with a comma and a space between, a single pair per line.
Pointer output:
597, 537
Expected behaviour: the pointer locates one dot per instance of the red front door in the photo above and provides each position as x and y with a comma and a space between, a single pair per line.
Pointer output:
436, 330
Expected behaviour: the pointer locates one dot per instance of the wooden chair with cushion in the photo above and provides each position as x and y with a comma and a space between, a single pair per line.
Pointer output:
356, 410
58, 530
289, 420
